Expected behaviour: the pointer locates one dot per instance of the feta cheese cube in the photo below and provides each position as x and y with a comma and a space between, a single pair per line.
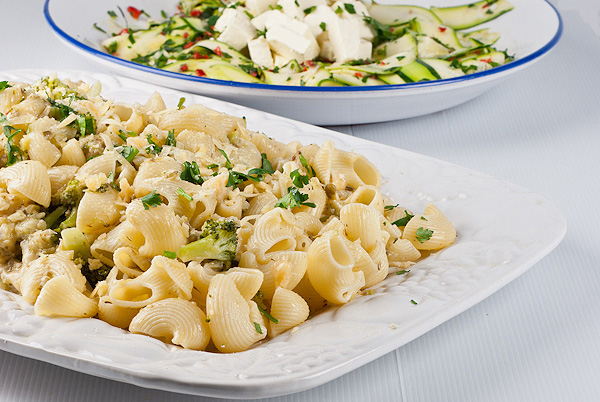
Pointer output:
260, 52
291, 9
360, 10
319, 19
257, 7
235, 28
291, 44
346, 41
259, 20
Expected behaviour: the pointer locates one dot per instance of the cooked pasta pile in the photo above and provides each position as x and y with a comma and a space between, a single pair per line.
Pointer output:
181, 224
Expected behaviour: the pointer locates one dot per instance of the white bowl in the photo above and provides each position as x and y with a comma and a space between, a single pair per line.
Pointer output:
528, 32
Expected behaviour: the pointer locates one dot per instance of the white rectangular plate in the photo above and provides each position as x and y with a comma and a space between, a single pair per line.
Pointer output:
503, 229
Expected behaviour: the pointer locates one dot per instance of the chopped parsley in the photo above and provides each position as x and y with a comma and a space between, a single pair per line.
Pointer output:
294, 198
267, 315
412, 301
171, 139
349, 8
153, 148
181, 192
129, 153
403, 221
13, 152
257, 327
191, 173
126, 134
390, 207
151, 200
4, 85
299, 179
402, 272
170, 254
180, 104
309, 169
423, 234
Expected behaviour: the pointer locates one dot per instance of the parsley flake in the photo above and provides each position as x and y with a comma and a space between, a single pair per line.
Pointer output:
257, 327
423, 234
129, 153
151, 200
294, 198
170, 254
171, 139
153, 148
403, 221
191, 173
185, 195
4, 85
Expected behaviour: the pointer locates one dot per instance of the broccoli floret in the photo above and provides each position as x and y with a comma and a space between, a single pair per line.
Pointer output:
94, 276
218, 241
65, 212
71, 195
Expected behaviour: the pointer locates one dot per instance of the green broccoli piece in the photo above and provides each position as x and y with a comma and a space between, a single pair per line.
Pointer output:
218, 241
64, 214
94, 276
71, 195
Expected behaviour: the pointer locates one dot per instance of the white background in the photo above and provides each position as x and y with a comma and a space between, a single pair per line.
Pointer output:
537, 339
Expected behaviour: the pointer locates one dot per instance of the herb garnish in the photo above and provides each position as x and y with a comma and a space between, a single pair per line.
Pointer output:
151, 200
294, 198
403, 221
170, 254
153, 148
191, 173
185, 195
423, 234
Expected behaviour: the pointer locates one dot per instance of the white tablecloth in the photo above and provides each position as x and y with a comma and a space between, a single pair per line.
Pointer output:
537, 339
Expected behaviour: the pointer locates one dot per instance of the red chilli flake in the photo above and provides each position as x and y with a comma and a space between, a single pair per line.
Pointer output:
135, 13
442, 29
185, 35
189, 45
200, 73
200, 56
310, 63
183, 67
218, 51
488, 60
124, 30
195, 13
358, 74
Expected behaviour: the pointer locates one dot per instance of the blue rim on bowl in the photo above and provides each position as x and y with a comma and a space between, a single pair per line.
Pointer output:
497, 70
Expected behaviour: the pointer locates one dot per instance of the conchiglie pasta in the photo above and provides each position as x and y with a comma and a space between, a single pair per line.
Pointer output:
331, 268
430, 231
289, 309
176, 321
29, 178
60, 297
235, 322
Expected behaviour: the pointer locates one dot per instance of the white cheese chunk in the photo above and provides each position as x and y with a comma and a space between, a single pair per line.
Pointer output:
259, 20
292, 45
260, 52
360, 11
291, 9
297, 8
346, 41
235, 28
256, 7
318, 19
